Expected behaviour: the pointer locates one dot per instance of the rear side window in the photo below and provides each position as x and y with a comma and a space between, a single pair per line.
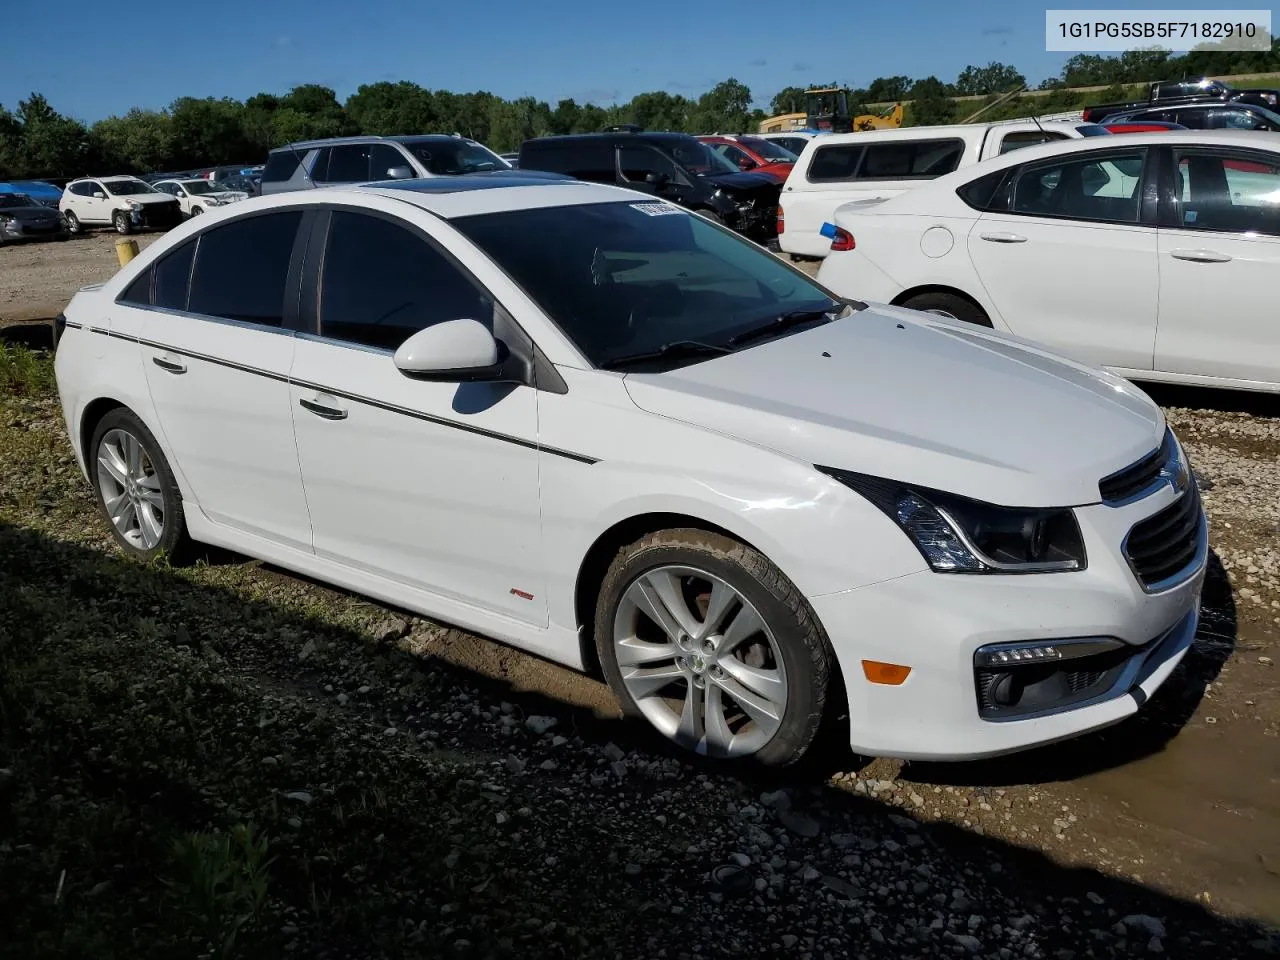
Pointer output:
241, 269
382, 282
348, 164
1084, 188
583, 161
280, 166
886, 160
1028, 138
981, 192
837, 162
638, 160
173, 276
139, 292
1226, 192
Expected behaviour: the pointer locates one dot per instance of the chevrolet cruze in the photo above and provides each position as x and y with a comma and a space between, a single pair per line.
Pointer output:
606, 430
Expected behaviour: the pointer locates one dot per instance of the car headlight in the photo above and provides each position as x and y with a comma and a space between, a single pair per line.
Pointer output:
133, 204
959, 535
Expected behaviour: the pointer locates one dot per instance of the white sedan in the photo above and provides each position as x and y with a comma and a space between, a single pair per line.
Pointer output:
197, 196
608, 431
1154, 256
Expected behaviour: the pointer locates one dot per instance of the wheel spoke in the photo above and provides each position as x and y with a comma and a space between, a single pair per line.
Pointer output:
127, 521
634, 651
765, 683
756, 707
109, 459
116, 506
658, 595
746, 623
719, 736
644, 682
691, 729
149, 526
722, 599
133, 456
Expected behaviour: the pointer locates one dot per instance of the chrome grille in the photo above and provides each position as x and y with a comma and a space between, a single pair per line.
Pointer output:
1137, 477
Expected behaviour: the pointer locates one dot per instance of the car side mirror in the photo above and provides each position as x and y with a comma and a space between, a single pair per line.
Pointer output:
99, 195
655, 179
455, 351
400, 173
746, 163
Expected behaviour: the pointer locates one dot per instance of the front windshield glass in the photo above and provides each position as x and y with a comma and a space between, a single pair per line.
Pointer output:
450, 157
200, 186
699, 158
627, 278
125, 188
13, 200
769, 150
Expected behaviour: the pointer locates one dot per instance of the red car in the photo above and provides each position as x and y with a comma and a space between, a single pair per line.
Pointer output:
1142, 126
753, 153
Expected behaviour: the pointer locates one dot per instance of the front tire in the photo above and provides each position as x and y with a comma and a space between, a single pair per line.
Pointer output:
136, 490
710, 643
120, 220
949, 305
73, 224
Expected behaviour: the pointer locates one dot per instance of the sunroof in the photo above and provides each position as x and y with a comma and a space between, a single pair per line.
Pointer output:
484, 180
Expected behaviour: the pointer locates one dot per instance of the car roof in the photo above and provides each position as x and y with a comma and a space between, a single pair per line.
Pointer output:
611, 135
950, 129
369, 138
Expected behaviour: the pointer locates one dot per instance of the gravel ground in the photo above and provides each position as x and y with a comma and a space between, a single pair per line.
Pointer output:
229, 757
37, 279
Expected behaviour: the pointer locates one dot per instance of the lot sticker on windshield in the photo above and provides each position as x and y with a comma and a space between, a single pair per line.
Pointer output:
656, 209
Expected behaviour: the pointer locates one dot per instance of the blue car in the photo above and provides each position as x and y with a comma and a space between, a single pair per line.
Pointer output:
41, 192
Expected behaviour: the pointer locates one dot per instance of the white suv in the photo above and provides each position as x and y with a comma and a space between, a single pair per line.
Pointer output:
197, 196
124, 203
343, 160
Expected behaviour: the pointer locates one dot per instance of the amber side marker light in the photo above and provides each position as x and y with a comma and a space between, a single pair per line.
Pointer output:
890, 674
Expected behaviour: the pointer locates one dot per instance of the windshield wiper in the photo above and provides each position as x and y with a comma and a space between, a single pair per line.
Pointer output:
792, 318
672, 350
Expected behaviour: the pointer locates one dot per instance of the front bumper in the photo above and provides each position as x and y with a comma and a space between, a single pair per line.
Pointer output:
156, 216
15, 230
934, 623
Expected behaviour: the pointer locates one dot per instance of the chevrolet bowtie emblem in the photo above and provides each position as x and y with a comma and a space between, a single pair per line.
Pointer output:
1176, 474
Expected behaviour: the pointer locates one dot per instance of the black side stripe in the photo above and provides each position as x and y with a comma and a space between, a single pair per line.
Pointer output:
354, 398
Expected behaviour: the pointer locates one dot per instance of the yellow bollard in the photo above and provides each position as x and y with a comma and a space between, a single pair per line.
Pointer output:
126, 250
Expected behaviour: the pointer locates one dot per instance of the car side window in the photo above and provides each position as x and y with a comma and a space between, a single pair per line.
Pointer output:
1226, 192
381, 282
735, 155
638, 160
348, 164
173, 277
1028, 138
139, 292
836, 162
1088, 188
382, 157
242, 267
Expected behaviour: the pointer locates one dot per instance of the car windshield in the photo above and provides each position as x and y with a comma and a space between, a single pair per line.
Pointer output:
1092, 130
200, 186
769, 150
12, 200
628, 279
699, 158
447, 157
124, 188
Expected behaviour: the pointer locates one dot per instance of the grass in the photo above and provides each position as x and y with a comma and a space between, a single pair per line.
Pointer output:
25, 372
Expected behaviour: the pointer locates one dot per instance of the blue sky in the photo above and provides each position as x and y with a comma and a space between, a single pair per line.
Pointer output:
551, 49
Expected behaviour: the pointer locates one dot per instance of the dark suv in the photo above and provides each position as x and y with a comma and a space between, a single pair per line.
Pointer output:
673, 166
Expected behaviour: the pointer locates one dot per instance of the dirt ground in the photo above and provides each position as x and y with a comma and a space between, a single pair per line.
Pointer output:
1184, 798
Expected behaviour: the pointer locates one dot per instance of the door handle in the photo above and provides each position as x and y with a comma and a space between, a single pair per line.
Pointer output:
1200, 256
172, 366
320, 410
1003, 237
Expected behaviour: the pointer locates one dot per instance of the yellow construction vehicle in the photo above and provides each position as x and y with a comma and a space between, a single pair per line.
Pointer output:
827, 111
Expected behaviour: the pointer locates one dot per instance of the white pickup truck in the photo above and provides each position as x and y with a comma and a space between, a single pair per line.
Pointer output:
835, 169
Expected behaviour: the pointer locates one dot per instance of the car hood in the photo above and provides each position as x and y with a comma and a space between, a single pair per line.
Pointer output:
741, 182
33, 212
922, 400
145, 197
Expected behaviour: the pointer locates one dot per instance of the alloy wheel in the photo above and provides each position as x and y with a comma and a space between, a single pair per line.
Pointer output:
131, 491
700, 662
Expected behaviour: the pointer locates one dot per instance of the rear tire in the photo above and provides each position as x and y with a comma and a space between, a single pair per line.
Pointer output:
73, 223
949, 305
135, 489
746, 664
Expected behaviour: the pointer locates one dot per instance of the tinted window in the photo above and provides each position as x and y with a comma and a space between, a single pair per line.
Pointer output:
382, 158
795, 144
1028, 138
836, 162
1235, 193
620, 280
979, 193
735, 155
452, 156
1089, 188
139, 291
1196, 119
348, 164
910, 158
241, 268
173, 273
638, 161
382, 282
280, 166
585, 160
82, 189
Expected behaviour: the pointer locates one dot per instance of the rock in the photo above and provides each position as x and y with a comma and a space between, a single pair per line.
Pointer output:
971, 944
631, 869
540, 725
1155, 946
613, 751
842, 887
799, 823
548, 765
307, 650
515, 765
779, 800
300, 795
809, 874
741, 859
390, 630
619, 769
1094, 898
789, 940
843, 841
1145, 924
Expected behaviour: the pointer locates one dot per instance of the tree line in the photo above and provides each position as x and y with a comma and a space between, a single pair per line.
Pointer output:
38, 141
